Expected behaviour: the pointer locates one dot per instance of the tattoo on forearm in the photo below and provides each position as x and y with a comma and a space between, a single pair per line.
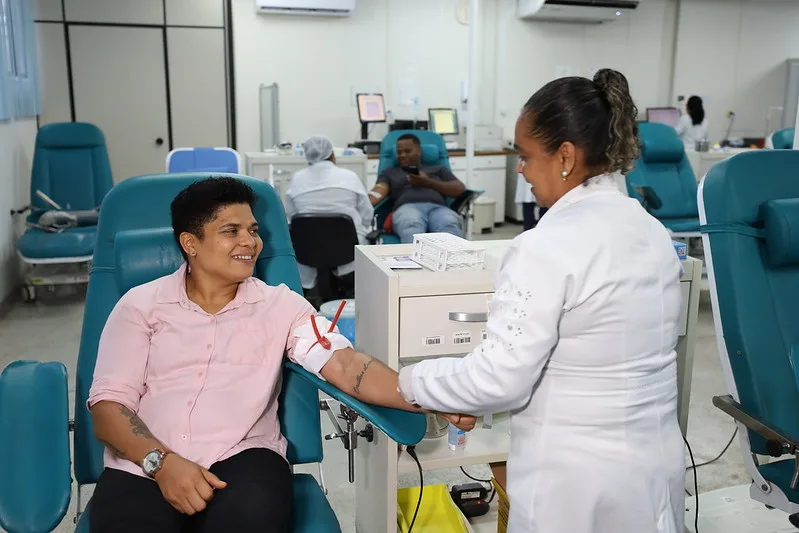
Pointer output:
113, 449
136, 425
359, 378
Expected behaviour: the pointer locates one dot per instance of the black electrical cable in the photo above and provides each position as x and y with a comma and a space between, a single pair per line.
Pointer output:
412, 452
727, 447
474, 478
696, 486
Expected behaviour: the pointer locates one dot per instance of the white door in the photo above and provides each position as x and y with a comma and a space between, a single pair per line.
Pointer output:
119, 85
197, 89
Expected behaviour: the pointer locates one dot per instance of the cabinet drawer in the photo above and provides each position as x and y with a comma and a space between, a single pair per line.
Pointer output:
685, 291
491, 161
371, 166
457, 164
442, 325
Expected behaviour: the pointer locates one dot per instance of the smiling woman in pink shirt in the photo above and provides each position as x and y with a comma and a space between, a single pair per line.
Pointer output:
186, 385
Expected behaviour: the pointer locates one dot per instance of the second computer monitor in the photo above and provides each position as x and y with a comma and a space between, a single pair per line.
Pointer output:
443, 121
663, 115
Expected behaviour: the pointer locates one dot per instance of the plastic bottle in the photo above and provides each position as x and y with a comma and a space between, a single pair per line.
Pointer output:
456, 438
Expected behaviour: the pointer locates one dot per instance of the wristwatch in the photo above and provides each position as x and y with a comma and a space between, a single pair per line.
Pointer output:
153, 462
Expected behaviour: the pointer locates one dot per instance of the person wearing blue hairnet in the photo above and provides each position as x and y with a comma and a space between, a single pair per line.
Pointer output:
324, 188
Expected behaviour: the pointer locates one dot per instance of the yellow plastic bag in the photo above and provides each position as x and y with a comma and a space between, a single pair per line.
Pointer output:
437, 512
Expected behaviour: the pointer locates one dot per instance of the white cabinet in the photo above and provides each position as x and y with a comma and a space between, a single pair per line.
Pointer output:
284, 167
410, 315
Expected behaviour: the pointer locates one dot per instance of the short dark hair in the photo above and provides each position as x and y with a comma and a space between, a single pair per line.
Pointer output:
410, 137
696, 110
598, 116
198, 204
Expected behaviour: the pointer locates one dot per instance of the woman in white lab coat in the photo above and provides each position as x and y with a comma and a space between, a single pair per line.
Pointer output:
693, 125
581, 332
324, 188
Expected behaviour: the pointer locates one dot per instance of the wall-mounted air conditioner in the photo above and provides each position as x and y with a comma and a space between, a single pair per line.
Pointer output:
336, 8
585, 11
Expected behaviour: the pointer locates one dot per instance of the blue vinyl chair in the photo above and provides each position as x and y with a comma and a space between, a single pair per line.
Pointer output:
135, 245
664, 170
71, 167
749, 208
222, 160
783, 139
434, 152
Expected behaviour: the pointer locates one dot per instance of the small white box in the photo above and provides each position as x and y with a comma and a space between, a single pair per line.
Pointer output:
444, 251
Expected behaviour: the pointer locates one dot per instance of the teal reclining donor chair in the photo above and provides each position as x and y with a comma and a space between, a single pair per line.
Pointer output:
71, 167
749, 208
135, 245
434, 152
663, 167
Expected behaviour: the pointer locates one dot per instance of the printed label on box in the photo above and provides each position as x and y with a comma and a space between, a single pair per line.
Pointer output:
435, 340
462, 337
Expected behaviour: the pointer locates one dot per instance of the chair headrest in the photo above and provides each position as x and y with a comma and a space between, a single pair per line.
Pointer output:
781, 229
660, 143
783, 139
144, 255
431, 155
69, 135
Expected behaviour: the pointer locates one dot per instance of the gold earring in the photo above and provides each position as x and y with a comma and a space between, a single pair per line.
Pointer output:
193, 254
564, 175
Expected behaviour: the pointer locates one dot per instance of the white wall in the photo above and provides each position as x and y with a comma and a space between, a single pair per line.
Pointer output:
391, 45
532, 53
16, 155
397, 47
733, 53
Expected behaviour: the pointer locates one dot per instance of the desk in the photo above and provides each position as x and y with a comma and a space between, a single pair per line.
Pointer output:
489, 175
284, 167
406, 311
702, 161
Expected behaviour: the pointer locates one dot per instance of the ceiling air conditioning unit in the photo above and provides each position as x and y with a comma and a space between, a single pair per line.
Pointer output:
335, 8
585, 11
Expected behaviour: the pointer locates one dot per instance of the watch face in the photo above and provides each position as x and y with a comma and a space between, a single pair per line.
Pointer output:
151, 462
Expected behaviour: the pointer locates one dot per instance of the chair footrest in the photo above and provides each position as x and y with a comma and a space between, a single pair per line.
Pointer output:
36, 484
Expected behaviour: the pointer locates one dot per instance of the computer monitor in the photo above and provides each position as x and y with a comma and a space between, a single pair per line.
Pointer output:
663, 115
371, 108
443, 121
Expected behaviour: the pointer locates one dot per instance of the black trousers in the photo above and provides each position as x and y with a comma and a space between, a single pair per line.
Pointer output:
528, 213
257, 499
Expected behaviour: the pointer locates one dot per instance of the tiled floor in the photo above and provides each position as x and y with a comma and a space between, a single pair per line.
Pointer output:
50, 331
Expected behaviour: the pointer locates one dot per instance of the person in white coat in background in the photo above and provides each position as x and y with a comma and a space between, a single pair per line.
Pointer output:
582, 332
324, 188
693, 125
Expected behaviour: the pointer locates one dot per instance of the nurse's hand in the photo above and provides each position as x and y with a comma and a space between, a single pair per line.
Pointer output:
464, 422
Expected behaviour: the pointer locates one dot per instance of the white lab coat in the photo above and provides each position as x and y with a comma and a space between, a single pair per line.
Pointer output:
581, 349
690, 133
325, 188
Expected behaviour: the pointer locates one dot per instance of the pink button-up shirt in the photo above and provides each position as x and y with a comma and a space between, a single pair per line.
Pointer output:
205, 385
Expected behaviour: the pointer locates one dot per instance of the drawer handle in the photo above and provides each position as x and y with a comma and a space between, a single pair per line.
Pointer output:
468, 317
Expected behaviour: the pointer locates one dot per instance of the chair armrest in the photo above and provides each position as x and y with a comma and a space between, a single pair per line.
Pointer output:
403, 427
464, 199
650, 197
35, 485
779, 441
373, 236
